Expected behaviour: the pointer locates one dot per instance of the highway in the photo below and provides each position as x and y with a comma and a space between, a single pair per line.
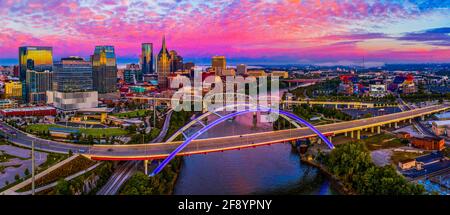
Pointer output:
126, 169
161, 150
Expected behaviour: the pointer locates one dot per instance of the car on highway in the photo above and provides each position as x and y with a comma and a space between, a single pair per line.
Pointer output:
81, 150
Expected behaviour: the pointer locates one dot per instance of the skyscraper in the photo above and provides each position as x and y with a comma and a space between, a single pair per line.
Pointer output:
73, 74
37, 58
241, 69
163, 66
218, 64
176, 61
132, 74
38, 83
147, 58
104, 68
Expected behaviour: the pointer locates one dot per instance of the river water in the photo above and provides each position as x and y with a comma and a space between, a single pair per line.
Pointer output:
274, 169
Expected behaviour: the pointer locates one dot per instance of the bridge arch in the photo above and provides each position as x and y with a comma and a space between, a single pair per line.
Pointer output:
231, 115
223, 108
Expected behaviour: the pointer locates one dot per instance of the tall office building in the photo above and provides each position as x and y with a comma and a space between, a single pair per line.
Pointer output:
132, 74
38, 83
163, 66
104, 68
176, 61
241, 69
219, 64
147, 58
37, 58
73, 74
73, 85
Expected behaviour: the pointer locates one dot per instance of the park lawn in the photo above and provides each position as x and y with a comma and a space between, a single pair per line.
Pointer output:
52, 159
131, 114
95, 132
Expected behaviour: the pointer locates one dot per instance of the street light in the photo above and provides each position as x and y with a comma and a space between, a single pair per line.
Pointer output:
32, 168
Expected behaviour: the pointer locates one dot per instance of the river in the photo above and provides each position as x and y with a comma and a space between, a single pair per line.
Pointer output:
274, 169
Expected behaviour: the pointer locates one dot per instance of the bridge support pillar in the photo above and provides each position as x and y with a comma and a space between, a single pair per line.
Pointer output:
358, 134
410, 121
395, 125
390, 125
346, 134
379, 129
351, 134
330, 138
146, 167
422, 117
336, 106
372, 129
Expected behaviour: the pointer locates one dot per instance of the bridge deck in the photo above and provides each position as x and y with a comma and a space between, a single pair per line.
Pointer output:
161, 150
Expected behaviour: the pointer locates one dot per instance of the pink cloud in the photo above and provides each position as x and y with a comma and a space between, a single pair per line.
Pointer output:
312, 30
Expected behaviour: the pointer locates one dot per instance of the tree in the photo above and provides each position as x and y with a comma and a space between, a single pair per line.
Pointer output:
63, 188
70, 153
17, 177
26, 172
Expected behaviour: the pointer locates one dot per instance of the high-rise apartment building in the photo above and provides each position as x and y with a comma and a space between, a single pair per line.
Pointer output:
218, 64
104, 68
147, 58
163, 66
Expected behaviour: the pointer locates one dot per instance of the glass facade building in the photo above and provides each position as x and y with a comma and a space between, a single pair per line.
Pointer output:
104, 68
38, 83
132, 74
73, 75
147, 58
37, 58
176, 61
219, 64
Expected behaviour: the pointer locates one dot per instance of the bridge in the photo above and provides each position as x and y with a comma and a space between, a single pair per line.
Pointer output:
203, 146
348, 104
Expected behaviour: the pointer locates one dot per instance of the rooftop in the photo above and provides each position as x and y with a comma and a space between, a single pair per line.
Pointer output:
65, 130
442, 122
40, 108
96, 110
445, 115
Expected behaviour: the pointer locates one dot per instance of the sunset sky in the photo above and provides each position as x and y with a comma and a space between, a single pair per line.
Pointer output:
255, 31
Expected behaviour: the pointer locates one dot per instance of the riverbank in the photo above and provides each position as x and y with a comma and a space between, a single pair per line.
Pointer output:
177, 175
337, 184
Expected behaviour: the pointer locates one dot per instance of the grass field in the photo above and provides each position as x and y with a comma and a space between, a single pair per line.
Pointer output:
95, 132
400, 156
131, 114
382, 141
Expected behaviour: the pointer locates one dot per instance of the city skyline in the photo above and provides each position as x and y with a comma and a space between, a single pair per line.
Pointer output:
296, 32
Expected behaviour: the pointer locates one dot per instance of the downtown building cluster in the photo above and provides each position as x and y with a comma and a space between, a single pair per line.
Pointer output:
72, 83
